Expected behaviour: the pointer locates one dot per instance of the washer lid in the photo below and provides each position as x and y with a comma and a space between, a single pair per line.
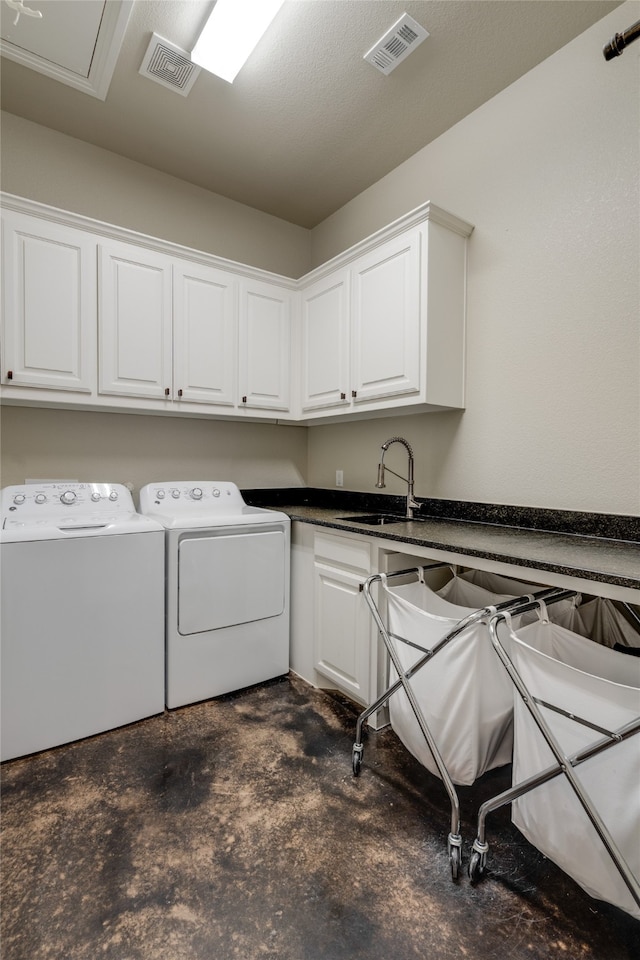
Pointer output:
188, 505
68, 528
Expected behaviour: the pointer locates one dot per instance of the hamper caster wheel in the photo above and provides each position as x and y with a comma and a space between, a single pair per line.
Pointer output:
454, 862
476, 866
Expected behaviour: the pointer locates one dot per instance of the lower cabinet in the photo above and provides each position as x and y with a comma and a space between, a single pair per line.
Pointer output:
344, 635
334, 640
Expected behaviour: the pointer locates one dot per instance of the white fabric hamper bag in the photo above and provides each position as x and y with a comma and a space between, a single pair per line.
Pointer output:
601, 621
464, 692
602, 686
477, 588
473, 596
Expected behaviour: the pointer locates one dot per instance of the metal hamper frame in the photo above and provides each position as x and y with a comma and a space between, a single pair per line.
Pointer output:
564, 765
454, 839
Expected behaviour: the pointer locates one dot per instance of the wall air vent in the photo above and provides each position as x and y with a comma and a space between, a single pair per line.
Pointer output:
396, 45
169, 65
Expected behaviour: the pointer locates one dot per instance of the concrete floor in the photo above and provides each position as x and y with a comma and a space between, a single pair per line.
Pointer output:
235, 829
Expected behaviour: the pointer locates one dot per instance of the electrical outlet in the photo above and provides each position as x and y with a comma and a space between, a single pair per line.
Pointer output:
339, 478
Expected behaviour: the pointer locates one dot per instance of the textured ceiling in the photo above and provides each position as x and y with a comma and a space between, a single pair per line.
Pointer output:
308, 124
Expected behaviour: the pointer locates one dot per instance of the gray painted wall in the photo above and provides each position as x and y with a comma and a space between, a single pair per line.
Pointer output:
548, 173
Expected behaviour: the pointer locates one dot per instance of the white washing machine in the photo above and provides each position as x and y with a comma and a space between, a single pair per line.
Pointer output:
82, 621
227, 602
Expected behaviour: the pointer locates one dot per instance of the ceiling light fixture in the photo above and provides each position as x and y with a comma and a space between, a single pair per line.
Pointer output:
231, 33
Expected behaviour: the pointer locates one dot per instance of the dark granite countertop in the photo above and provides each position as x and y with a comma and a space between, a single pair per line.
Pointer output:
596, 547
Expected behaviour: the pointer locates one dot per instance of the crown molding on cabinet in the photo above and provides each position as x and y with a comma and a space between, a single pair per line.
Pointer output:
111, 231
426, 211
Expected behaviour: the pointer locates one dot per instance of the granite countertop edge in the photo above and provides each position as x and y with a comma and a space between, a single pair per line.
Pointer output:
580, 548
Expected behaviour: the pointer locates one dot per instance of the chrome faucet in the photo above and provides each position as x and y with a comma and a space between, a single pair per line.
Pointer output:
412, 503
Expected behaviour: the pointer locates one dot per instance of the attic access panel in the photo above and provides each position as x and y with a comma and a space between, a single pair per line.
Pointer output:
76, 43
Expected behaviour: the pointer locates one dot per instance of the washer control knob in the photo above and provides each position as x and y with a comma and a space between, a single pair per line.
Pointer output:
95, 496
68, 497
175, 493
215, 492
40, 498
113, 495
19, 498
196, 493
160, 494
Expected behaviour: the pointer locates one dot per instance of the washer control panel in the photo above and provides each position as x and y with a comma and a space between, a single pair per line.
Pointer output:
48, 501
186, 498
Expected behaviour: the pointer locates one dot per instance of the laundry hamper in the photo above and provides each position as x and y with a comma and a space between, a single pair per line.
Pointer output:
449, 701
584, 693
466, 698
601, 620
475, 588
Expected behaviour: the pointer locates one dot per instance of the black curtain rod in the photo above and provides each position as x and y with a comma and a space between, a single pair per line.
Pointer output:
621, 40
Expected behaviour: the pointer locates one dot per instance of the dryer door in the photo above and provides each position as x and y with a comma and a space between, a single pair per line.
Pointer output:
226, 579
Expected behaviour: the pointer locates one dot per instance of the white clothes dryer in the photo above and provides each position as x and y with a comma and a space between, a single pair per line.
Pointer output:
82, 621
227, 588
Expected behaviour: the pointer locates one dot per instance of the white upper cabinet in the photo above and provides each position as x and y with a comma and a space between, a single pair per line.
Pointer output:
98, 316
361, 329
265, 345
49, 310
383, 325
325, 332
186, 332
385, 336
205, 337
135, 320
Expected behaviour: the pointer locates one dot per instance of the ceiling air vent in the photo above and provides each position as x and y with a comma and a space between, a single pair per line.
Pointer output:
396, 45
169, 65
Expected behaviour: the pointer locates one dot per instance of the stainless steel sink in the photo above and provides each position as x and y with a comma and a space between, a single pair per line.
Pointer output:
375, 519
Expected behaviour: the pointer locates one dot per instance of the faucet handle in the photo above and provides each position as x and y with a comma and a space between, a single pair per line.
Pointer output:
412, 504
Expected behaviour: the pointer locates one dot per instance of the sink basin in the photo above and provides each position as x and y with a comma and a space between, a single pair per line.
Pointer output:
375, 519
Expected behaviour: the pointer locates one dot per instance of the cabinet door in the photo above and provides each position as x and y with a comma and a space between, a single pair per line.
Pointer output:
325, 343
343, 627
49, 316
342, 631
386, 300
265, 345
135, 321
204, 334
